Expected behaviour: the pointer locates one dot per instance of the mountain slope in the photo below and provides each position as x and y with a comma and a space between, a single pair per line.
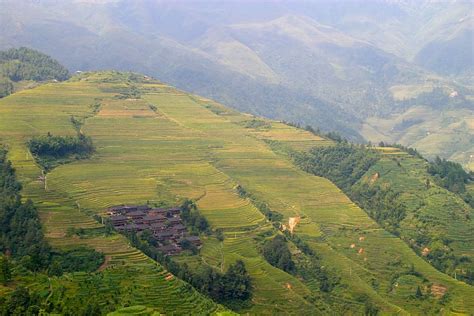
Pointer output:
331, 65
164, 145
23, 67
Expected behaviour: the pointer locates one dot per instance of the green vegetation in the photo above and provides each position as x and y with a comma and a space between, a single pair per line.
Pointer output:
261, 206
453, 177
184, 150
76, 259
20, 232
343, 164
193, 219
50, 151
276, 252
19, 64
81, 290
233, 288
398, 190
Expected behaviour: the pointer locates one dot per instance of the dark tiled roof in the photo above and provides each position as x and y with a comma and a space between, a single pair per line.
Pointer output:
153, 217
118, 218
136, 213
193, 238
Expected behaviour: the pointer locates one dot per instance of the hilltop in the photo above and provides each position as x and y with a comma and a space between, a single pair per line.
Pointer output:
23, 68
157, 145
393, 71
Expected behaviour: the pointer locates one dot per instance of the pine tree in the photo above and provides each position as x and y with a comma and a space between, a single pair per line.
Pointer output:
418, 294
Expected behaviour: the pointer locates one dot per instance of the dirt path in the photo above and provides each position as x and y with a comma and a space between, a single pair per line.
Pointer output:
104, 265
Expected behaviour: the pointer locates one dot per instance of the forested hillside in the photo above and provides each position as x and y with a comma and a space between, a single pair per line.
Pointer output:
272, 237
425, 204
18, 66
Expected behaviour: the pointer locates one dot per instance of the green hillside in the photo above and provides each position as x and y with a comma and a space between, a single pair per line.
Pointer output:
156, 144
397, 190
21, 68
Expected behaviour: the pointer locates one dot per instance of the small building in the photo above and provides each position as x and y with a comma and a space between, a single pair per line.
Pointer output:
174, 211
164, 235
180, 228
158, 211
118, 220
141, 227
152, 219
174, 221
195, 240
157, 227
124, 209
171, 249
136, 215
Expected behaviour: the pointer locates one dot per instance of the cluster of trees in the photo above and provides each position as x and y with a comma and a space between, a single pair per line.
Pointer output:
382, 204
277, 253
193, 219
130, 92
451, 175
411, 151
309, 266
332, 135
18, 64
50, 150
76, 259
60, 146
232, 288
256, 124
20, 230
344, 164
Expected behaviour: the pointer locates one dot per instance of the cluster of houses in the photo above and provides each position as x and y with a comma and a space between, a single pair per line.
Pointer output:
164, 223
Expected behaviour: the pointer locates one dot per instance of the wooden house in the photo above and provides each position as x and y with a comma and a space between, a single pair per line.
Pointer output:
118, 220
152, 219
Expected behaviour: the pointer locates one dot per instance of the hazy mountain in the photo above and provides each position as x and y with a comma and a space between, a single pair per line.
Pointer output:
330, 64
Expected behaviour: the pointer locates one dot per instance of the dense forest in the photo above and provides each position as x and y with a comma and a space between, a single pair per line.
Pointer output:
18, 64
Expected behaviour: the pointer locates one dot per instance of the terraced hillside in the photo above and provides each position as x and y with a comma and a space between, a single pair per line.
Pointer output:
438, 218
159, 145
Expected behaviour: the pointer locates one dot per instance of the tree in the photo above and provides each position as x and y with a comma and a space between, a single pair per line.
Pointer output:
276, 252
418, 293
220, 234
236, 283
6, 269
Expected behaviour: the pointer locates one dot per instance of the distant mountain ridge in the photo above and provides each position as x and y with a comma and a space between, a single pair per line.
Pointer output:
334, 65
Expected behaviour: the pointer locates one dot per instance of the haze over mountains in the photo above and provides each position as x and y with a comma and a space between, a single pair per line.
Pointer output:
397, 71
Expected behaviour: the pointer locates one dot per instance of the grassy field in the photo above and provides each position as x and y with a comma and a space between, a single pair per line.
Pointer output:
169, 145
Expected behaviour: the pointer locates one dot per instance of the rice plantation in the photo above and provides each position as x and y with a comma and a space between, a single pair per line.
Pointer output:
168, 146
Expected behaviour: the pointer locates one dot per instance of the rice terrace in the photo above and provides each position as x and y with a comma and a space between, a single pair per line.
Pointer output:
169, 166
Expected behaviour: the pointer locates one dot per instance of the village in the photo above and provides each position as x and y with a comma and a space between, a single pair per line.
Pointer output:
165, 224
